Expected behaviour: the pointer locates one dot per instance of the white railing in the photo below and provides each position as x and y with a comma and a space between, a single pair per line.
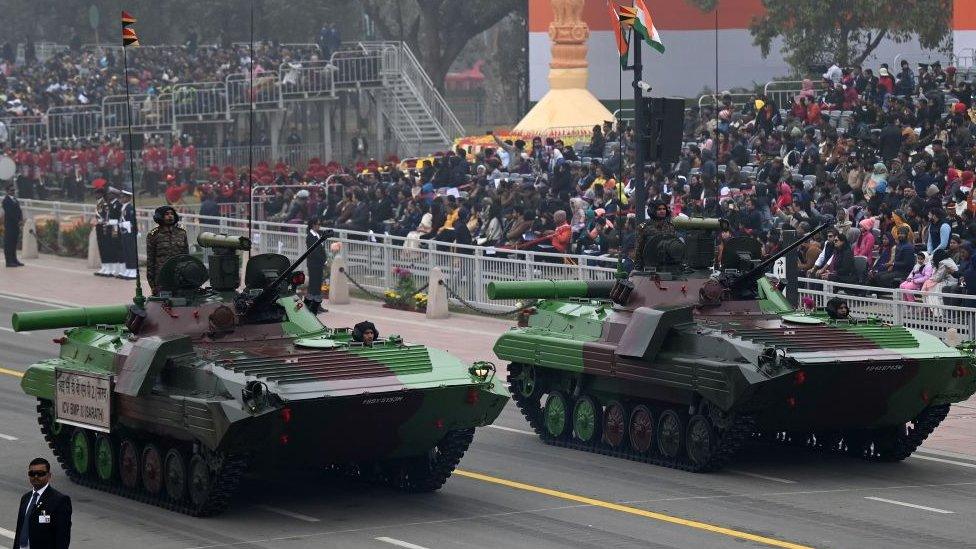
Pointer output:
296, 156
307, 80
200, 102
413, 72
927, 312
370, 259
738, 99
28, 128
148, 113
73, 121
357, 69
782, 92
262, 92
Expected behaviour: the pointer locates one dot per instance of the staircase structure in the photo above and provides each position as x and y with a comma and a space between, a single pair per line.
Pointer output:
416, 112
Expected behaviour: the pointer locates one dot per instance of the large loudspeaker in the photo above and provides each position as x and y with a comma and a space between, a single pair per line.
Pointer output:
138, 141
664, 119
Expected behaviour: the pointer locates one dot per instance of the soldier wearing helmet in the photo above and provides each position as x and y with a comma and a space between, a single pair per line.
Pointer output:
658, 224
165, 241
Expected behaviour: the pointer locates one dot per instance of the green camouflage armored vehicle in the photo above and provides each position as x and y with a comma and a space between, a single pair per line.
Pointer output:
679, 366
171, 400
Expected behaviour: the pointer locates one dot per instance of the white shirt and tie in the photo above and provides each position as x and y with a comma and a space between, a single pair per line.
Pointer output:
31, 507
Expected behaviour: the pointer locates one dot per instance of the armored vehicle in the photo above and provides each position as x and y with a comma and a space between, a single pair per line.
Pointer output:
680, 365
171, 400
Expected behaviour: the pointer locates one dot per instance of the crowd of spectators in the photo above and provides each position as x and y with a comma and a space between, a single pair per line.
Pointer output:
86, 76
885, 158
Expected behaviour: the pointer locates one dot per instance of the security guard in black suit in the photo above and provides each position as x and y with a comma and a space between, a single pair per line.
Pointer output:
44, 515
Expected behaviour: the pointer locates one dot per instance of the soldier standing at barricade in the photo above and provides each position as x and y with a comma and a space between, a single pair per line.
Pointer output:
101, 228
166, 240
130, 251
115, 232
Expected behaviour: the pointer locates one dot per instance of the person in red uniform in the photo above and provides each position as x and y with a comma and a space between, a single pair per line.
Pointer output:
189, 163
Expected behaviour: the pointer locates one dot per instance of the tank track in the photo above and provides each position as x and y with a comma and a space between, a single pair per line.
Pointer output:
879, 445
730, 441
427, 474
416, 475
227, 478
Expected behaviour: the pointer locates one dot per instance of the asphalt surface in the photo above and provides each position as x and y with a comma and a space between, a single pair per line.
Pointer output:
513, 491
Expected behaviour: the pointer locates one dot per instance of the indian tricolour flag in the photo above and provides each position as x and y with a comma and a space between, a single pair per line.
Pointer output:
644, 26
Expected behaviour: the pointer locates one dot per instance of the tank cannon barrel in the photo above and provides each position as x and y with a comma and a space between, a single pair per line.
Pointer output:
214, 240
697, 223
52, 319
550, 289
759, 270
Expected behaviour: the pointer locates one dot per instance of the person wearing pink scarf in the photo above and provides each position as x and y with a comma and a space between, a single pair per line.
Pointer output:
865, 244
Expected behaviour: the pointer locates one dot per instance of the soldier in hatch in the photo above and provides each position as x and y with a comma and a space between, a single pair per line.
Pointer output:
166, 240
659, 224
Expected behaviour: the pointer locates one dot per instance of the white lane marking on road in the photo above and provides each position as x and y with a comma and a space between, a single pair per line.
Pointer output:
11, 330
941, 460
511, 430
764, 477
400, 543
7, 437
912, 505
288, 513
7, 533
34, 301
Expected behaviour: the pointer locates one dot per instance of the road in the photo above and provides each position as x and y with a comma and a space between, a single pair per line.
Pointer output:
513, 491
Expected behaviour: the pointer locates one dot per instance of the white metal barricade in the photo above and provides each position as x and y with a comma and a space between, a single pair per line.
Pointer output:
26, 128
149, 113
200, 102
263, 91
307, 80
71, 122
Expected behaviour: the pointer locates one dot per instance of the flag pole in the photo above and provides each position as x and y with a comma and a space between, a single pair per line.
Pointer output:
621, 220
140, 299
640, 188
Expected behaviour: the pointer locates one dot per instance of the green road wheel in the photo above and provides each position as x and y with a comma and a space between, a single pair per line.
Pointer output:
528, 381
640, 432
129, 463
700, 440
556, 414
669, 431
586, 419
104, 457
152, 469
81, 451
57, 428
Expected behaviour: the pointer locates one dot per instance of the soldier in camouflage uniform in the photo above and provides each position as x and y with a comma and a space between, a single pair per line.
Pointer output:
166, 240
659, 224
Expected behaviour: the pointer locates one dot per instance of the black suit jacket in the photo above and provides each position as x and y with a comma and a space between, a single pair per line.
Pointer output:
52, 535
12, 214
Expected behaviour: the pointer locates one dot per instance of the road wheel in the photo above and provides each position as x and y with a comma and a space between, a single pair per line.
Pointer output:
104, 457
528, 382
700, 440
152, 469
641, 431
174, 471
129, 463
556, 414
586, 419
81, 451
200, 483
614, 424
669, 433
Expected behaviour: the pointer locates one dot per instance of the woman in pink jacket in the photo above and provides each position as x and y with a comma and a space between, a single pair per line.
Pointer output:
916, 278
865, 243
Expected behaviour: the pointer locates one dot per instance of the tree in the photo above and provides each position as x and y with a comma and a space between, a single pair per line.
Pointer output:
436, 30
846, 32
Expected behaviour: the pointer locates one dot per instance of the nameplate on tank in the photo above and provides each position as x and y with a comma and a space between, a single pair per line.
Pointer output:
83, 399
